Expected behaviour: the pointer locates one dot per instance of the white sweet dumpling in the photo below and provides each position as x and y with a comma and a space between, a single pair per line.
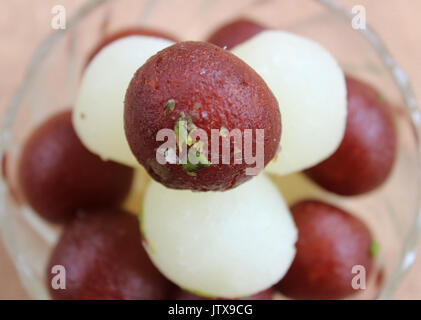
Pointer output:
310, 88
98, 115
222, 244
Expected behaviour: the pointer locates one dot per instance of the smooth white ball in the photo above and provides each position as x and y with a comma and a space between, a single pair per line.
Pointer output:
98, 115
222, 244
310, 88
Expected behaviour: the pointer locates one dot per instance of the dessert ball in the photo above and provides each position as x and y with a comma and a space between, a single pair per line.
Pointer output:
330, 243
234, 33
367, 153
219, 244
310, 88
102, 253
135, 31
180, 294
59, 176
194, 87
99, 109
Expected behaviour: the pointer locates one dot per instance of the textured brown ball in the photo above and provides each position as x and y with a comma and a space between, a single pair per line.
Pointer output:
235, 33
367, 152
103, 256
212, 89
330, 243
58, 175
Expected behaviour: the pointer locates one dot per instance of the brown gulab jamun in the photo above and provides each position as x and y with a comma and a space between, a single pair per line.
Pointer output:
367, 152
58, 175
330, 243
135, 31
235, 32
103, 258
197, 85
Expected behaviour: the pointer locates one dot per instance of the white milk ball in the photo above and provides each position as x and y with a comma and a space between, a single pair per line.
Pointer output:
310, 88
221, 244
98, 115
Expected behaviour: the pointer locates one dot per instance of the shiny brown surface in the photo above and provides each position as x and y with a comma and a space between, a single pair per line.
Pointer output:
211, 88
104, 259
367, 153
24, 23
330, 242
59, 176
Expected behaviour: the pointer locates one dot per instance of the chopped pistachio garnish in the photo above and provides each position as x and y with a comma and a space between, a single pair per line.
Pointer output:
199, 146
191, 168
169, 106
181, 133
223, 132
374, 248
182, 127
381, 97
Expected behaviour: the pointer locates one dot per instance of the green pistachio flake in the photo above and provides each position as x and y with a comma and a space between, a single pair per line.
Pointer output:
199, 146
223, 132
374, 248
169, 106
191, 168
183, 126
381, 97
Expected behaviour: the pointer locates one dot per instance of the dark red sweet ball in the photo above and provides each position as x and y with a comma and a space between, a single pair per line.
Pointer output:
330, 243
204, 87
135, 31
367, 153
58, 175
103, 257
234, 33
180, 294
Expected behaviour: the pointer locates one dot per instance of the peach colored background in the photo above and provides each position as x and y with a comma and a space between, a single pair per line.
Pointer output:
23, 23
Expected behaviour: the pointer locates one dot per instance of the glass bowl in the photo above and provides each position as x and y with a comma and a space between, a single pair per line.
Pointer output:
54, 72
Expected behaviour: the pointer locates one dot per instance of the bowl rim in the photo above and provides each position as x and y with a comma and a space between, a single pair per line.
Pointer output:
399, 76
